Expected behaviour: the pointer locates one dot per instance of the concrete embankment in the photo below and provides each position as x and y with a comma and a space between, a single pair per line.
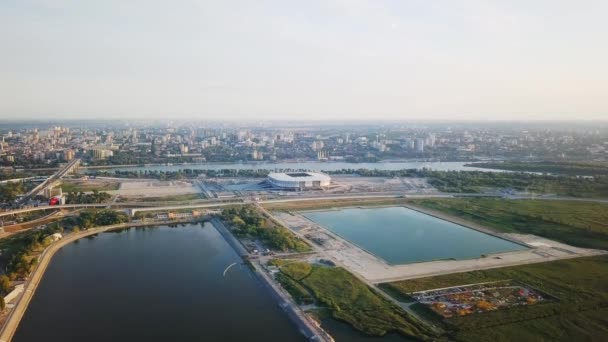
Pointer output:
16, 314
232, 241
307, 328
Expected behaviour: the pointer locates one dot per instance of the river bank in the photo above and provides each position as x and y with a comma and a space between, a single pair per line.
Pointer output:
302, 322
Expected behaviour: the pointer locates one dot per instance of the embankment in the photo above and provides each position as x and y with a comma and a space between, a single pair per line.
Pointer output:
304, 325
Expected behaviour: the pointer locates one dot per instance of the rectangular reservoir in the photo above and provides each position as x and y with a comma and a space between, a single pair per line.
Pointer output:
401, 236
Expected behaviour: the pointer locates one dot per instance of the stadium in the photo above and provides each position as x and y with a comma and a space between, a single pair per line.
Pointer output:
299, 180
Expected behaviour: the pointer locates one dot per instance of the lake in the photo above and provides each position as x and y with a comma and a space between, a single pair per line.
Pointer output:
401, 236
152, 284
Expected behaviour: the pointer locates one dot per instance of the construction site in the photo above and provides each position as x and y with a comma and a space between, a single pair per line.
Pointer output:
479, 298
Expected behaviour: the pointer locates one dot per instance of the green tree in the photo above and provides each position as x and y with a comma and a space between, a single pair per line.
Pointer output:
5, 284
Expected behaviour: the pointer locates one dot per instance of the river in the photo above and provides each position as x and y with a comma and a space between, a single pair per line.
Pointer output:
322, 166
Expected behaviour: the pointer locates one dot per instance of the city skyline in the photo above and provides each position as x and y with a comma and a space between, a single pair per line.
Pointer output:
355, 60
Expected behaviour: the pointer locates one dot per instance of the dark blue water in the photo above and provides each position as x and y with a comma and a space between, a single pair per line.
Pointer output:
401, 236
152, 284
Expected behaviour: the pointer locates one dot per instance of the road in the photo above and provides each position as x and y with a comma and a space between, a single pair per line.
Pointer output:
56, 176
156, 206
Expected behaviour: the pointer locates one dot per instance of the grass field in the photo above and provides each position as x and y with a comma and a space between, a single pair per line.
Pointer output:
68, 186
582, 224
352, 301
579, 314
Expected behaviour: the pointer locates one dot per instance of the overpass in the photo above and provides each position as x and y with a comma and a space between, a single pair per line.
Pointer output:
68, 168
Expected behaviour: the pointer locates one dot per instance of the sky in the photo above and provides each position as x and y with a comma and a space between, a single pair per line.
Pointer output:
301, 60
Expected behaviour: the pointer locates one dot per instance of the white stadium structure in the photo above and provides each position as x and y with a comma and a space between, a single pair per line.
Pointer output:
299, 180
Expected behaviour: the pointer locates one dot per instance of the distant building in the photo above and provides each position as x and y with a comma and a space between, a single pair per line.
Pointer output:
101, 153
68, 155
419, 145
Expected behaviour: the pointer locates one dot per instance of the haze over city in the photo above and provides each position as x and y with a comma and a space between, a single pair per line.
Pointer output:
270, 60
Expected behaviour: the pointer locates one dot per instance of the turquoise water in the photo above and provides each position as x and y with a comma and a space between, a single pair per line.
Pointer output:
401, 236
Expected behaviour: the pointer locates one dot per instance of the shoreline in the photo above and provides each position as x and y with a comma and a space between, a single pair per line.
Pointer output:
440, 216
288, 161
284, 301
31, 284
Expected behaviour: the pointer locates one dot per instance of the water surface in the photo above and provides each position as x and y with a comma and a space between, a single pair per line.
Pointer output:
324, 166
401, 236
152, 284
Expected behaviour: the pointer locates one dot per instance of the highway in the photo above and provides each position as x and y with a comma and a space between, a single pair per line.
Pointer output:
156, 206
56, 176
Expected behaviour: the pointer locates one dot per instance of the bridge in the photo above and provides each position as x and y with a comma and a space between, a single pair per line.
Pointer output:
68, 168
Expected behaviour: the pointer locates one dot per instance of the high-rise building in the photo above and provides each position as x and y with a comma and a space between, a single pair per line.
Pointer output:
419, 145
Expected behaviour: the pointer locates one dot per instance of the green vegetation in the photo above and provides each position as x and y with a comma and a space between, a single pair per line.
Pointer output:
478, 181
170, 198
83, 198
5, 284
90, 218
19, 252
299, 293
583, 224
326, 204
296, 270
565, 168
352, 301
15, 175
579, 313
182, 174
88, 186
9, 191
448, 181
247, 221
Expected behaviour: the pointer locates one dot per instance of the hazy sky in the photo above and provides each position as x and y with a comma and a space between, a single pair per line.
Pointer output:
330, 59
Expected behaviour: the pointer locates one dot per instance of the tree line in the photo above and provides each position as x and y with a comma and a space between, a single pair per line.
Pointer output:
247, 221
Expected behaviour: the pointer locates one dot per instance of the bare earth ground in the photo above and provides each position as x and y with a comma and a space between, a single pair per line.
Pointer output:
85, 185
376, 270
379, 184
155, 188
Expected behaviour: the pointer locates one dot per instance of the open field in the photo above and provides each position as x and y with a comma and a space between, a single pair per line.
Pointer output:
581, 224
155, 189
88, 185
579, 312
479, 182
352, 301
170, 198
